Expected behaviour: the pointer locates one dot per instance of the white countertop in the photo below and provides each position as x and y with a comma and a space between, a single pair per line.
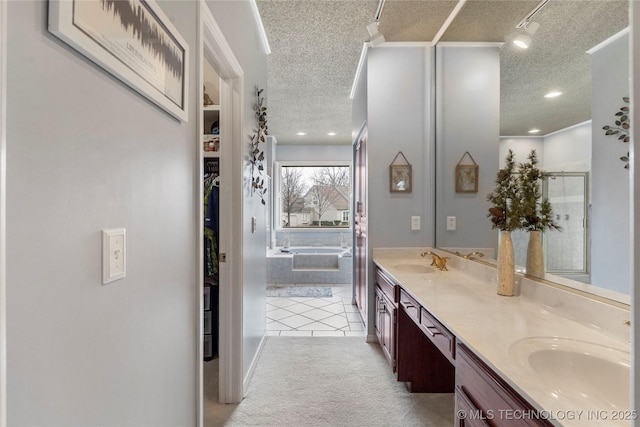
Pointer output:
490, 324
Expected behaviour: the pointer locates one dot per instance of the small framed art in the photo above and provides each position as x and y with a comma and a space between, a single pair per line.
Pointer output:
467, 176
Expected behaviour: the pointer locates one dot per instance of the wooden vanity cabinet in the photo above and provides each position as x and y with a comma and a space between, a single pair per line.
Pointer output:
438, 334
486, 399
386, 316
420, 363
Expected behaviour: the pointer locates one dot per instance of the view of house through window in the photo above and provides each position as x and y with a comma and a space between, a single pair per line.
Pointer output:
315, 196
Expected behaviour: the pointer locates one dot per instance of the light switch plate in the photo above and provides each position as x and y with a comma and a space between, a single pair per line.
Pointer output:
113, 255
451, 223
415, 223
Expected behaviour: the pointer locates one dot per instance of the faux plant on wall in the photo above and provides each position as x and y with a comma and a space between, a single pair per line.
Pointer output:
622, 128
257, 152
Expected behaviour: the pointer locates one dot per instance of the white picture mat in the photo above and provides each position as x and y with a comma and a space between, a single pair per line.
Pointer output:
159, 71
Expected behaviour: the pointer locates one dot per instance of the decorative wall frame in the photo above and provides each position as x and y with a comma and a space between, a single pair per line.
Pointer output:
133, 40
467, 175
400, 175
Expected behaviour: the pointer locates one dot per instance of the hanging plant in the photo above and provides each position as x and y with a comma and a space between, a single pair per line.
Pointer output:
537, 213
622, 128
506, 210
257, 152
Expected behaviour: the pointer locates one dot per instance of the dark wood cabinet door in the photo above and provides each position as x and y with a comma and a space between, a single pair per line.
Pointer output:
385, 325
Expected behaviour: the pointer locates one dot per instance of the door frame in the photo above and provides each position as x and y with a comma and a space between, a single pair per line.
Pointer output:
362, 136
213, 45
3, 214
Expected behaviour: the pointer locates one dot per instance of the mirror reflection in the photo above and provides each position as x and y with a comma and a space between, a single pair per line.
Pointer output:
580, 52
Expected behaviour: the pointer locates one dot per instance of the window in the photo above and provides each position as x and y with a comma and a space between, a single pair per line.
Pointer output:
315, 196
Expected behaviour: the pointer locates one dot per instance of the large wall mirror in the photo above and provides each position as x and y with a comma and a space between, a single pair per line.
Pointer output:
580, 50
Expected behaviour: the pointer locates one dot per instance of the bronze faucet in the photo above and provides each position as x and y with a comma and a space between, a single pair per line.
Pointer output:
469, 256
436, 260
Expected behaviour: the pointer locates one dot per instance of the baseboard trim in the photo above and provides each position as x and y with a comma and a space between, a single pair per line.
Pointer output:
372, 339
252, 367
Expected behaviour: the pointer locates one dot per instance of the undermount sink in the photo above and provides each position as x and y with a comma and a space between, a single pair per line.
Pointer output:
413, 268
582, 372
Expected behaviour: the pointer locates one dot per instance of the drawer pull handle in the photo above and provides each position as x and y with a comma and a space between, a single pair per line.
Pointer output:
382, 308
434, 332
407, 305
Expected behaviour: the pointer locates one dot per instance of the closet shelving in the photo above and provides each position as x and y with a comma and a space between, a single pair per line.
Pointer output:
211, 141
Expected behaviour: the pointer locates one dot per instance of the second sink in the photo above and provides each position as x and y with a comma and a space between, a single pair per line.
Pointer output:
580, 371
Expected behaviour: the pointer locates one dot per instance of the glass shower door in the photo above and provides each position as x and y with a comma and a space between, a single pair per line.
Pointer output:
567, 251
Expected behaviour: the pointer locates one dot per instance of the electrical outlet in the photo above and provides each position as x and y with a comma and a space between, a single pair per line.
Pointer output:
415, 223
451, 223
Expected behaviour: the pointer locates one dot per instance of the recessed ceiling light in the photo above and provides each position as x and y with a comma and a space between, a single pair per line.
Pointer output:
553, 94
301, 133
534, 131
331, 134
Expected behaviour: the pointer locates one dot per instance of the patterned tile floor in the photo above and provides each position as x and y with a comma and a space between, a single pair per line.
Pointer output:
333, 316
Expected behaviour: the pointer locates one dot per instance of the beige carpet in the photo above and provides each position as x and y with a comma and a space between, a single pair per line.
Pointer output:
320, 381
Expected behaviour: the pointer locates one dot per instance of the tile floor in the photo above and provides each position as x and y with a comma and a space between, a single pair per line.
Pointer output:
333, 316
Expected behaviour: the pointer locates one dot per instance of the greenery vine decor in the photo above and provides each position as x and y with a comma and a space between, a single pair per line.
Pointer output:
622, 128
257, 152
506, 210
537, 213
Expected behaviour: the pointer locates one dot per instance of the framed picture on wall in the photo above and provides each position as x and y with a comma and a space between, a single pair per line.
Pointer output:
467, 175
400, 178
467, 179
133, 40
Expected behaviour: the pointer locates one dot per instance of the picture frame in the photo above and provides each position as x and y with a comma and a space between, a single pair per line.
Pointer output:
400, 177
134, 41
466, 178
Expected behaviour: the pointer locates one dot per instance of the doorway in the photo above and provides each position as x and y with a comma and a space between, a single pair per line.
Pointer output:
310, 258
219, 148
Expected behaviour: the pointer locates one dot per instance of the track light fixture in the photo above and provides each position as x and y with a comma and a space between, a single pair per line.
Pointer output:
375, 36
523, 40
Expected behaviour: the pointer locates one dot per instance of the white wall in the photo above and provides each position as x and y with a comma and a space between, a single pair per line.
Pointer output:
86, 153
239, 28
610, 218
568, 150
634, 195
468, 102
359, 102
521, 147
3, 205
398, 94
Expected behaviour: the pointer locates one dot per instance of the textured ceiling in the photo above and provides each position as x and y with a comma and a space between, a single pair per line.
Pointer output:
316, 46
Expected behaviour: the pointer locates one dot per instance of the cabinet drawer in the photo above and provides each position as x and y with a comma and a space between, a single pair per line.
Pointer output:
411, 306
489, 393
467, 415
438, 334
387, 286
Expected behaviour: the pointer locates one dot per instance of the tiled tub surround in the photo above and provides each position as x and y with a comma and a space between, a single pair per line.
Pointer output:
309, 268
465, 301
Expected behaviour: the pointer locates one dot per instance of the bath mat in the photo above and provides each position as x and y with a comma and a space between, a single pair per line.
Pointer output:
299, 291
